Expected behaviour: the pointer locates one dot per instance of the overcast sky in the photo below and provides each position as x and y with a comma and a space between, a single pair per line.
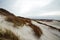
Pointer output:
49, 9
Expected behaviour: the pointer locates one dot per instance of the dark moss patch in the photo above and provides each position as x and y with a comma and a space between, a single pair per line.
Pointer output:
37, 30
8, 35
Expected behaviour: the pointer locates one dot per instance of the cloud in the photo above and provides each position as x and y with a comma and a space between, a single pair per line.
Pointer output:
44, 14
53, 13
24, 6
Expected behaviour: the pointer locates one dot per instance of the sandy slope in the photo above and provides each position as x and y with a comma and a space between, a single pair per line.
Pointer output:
53, 23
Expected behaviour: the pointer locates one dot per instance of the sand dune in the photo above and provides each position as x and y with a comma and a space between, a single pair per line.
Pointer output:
19, 28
